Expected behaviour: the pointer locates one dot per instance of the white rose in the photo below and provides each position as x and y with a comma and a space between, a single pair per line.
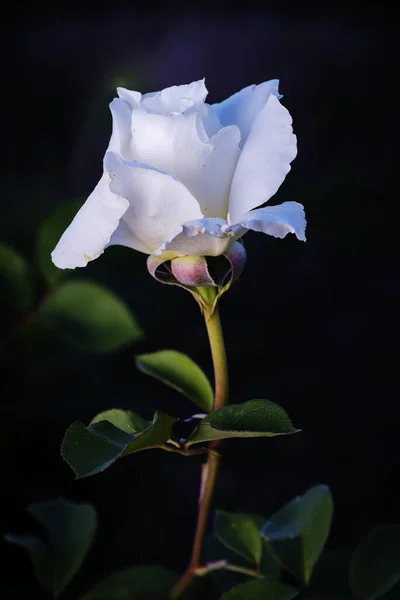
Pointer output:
181, 177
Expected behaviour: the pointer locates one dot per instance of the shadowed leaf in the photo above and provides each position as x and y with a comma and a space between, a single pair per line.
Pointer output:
298, 532
15, 278
240, 533
89, 317
47, 237
258, 589
71, 528
145, 582
374, 567
180, 372
216, 550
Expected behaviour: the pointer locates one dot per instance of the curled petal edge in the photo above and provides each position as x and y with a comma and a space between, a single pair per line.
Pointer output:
277, 221
236, 255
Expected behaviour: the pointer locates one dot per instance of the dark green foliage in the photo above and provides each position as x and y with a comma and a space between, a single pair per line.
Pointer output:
71, 529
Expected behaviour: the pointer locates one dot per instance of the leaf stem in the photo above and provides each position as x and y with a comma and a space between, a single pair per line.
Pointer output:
224, 564
211, 467
183, 451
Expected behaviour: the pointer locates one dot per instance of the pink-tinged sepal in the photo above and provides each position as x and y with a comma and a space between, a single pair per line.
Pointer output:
192, 271
160, 268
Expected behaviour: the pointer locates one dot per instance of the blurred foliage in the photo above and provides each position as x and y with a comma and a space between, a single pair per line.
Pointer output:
298, 532
374, 567
134, 583
89, 317
15, 280
83, 313
71, 528
304, 523
257, 590
47, 237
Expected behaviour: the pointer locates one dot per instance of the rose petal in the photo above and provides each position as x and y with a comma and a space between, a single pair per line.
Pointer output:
179, 145
243, 107
210, 119
91, 229
176, 99
121, 137
124, 236
131, 98
201, 237
94, 226
278, 221
265, 159
158, 203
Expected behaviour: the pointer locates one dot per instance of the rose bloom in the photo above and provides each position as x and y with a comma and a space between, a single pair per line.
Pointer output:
182, 177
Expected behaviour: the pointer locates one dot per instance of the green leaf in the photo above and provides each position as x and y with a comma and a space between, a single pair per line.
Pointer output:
89, 317
71, 528
123, 419
144, 582
374, 567
181, 373
39, 555
298, 532
47, 236
15, 278
258, 589
90, 450
215, 550
240, 533
255, 418
270, 565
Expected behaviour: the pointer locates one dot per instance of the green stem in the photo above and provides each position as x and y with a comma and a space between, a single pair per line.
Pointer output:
210, 469
217, 345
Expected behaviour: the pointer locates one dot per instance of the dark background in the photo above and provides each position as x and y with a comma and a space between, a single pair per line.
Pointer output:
310, 326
